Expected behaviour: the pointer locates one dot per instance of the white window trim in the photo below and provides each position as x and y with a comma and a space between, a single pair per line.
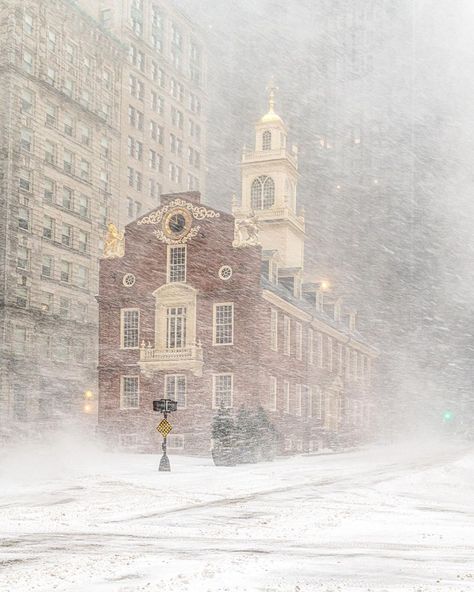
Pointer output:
122, 327
311, 346
286, 392
319, 394
214, 325
167, 376
274, 329
298, 405
330, 353
299, 340
122, 393
214, 376
273, 393
287, 336
309, 392
168, 262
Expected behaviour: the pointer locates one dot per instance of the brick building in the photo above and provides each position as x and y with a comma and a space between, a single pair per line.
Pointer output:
206, 308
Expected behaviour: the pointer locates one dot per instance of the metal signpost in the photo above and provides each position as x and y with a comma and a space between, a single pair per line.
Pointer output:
164, 406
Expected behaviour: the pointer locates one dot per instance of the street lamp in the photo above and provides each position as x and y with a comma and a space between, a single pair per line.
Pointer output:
88, 401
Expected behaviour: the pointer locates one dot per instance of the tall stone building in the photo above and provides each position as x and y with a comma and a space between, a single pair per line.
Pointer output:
59, 163
163, 106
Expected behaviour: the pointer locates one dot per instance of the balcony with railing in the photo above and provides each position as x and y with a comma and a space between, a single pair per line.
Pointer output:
171, 359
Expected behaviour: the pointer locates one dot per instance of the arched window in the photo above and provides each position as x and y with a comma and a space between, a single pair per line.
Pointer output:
266, 140
262, 193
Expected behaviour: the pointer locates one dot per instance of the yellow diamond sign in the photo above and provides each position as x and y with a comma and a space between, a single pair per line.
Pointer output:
164, 427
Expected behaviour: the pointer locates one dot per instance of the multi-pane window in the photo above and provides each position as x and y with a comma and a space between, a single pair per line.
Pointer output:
67, 201
23, 218
85, 170
64, 307
25, 179
27, 100
274, 330
27, 62
68, 161
68, 125
177, 263
176, 327
130, 392
286, 336
51, 114
28, 23
310, 346
66, 235
23, 258
299, 340
330, 353
317, 403
286, 395
85, 135
222, 390
83, 241
266, 140
223, 324
130, 327
65, 271
175, 389
273, 394
262, 193
47, 266
48, 227
320, 351
49, 190
22, 296
52, 40
49, 152
82, 276
26, 139
298, 400
83, 206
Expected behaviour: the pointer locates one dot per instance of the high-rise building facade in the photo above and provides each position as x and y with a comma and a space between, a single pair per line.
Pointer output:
96, 121
163, 106
59, 163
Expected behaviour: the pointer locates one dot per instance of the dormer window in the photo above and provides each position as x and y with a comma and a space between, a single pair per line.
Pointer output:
267, 140
263, 193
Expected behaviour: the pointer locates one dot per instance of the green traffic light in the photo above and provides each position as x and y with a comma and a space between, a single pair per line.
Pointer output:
448, 416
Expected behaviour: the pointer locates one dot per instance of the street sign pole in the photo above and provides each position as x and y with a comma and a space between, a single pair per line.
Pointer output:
164, 406
165, 461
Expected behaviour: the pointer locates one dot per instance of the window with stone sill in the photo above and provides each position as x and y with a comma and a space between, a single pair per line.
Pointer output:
176, 263
222, 390
129, 328
64, 307
23, 258
23, 218
223, 325
47, 266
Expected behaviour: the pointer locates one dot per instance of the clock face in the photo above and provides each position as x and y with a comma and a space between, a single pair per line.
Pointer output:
177, 224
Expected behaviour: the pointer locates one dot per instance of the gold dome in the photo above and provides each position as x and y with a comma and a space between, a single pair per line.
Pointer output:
271, 117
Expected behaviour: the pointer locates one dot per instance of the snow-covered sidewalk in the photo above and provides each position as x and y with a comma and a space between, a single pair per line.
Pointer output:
384, 519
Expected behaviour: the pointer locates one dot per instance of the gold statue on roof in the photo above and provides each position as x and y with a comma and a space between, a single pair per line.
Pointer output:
114, 242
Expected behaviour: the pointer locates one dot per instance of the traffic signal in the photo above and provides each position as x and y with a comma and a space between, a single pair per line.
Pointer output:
448, 416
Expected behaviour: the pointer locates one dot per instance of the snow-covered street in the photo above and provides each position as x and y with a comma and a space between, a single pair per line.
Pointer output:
382, 519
